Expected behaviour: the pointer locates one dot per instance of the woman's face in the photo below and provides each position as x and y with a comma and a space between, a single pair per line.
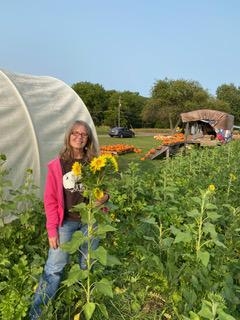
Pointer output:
78, 137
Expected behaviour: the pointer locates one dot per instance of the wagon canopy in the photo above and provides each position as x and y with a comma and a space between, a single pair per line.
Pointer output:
217, 119
34, 114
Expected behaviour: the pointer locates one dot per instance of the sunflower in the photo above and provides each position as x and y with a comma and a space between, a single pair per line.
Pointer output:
110, 158
76, 169
232, 177
97, 163
98, 193
211, 188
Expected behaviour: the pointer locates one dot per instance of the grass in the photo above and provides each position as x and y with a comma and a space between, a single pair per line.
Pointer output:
143, 142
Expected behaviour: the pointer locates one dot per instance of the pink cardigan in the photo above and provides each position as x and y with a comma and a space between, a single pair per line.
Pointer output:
53, 197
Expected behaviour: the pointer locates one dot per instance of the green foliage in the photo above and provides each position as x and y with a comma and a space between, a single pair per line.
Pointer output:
170, 98
175, 228
182, 220
111, 107
21, 232
131, 108
94, 97
124, 108
89, 280
230, 94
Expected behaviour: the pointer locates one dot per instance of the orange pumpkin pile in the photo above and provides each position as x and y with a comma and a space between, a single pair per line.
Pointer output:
119, 149
168, 140
165, 141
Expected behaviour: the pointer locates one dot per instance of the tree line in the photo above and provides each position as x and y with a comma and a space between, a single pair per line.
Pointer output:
167, 100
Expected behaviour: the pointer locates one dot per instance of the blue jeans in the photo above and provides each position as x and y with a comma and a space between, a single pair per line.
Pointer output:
54, 267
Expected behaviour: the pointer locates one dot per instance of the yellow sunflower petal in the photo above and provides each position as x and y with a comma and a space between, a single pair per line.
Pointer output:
77, 169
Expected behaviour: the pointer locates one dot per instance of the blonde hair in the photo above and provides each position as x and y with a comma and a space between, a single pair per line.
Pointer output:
90, 150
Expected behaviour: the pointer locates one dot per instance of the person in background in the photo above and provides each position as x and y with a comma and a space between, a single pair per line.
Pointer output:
60, 195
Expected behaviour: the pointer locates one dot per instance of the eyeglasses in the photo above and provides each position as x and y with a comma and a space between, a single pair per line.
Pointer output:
81, 134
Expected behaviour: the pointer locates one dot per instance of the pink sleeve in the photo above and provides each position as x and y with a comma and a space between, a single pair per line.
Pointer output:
51, 203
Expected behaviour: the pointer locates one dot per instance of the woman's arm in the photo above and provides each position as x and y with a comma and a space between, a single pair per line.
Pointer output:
51, 205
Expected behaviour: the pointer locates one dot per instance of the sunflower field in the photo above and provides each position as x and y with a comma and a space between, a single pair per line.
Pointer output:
169, 244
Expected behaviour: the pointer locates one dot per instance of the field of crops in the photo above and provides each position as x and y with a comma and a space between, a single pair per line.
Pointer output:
169, 249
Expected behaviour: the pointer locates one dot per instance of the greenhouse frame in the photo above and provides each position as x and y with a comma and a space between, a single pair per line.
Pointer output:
35, 112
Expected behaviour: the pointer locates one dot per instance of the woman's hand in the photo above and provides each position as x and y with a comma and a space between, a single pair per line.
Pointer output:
104, 199
53, 242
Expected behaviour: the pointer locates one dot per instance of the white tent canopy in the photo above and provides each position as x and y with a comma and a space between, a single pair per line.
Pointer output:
35, 112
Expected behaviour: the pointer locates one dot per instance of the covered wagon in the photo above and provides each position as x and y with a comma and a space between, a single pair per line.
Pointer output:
202, 127
209, 124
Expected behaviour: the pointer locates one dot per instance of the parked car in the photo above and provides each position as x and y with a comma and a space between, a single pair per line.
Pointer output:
121, 132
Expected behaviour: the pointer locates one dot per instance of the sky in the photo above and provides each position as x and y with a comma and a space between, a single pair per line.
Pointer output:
123, 44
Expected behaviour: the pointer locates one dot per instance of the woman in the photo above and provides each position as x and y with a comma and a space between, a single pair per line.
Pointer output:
61, 193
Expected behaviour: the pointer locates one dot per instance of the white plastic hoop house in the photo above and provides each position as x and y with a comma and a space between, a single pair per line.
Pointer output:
35, 112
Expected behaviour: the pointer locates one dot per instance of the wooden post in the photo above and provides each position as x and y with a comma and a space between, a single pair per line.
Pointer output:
167, 152
186, 133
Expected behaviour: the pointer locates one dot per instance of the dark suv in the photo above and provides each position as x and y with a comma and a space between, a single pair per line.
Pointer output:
121, 132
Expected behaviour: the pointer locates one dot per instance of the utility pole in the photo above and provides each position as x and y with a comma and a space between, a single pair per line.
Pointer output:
119, 110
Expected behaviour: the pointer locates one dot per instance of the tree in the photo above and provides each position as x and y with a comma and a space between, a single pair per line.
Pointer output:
172, 97
230, 94
220, 105
124, 108
132, 105
111, 114
151, 115
95, 98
